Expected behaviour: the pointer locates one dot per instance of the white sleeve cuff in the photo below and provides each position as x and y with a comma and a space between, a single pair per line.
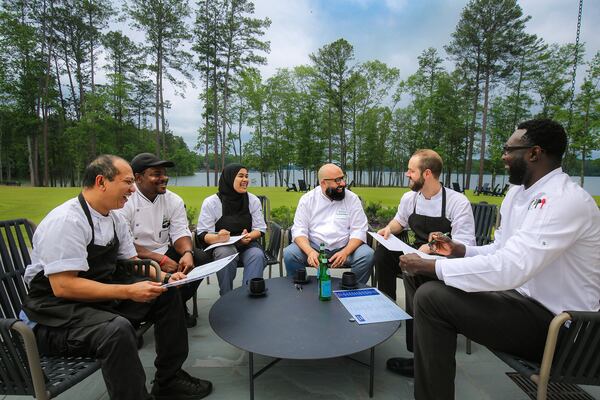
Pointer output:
71, 264
438, 270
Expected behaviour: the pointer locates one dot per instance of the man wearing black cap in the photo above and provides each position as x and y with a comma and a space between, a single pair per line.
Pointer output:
158, 223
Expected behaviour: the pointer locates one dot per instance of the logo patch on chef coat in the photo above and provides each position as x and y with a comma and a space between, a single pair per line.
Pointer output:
538, 202
166, 222
341, 213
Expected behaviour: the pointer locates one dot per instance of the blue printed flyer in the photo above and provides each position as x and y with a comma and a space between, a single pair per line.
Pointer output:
369, 306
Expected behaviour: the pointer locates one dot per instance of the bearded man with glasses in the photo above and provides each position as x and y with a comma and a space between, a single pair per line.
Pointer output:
544, 260
329, 214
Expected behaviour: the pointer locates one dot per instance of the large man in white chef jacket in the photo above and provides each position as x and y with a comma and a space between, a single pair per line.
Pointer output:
545, 259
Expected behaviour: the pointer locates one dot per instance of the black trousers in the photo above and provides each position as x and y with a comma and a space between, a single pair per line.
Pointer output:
114, 343
504, 321
387, 270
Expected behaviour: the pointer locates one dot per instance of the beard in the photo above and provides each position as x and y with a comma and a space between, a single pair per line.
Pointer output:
517, 171
335, 193
417, 185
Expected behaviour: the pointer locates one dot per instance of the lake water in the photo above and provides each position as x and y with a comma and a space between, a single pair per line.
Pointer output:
591, 183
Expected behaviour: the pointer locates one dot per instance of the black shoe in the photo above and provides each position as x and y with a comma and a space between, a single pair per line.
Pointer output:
402, 366
182, 387
190, 320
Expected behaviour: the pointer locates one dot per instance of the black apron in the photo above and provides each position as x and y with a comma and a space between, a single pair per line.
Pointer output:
43, 307
235, 224
422, 225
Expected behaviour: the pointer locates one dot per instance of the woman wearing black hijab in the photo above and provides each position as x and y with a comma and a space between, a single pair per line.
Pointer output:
232, 212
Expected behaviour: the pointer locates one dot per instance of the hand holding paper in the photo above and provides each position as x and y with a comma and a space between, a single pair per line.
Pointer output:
203, 271
232, 240
394, 244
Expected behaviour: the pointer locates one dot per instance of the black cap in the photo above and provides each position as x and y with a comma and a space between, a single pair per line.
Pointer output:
147, 160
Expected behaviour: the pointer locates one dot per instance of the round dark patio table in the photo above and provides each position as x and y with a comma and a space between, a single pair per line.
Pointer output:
290, 322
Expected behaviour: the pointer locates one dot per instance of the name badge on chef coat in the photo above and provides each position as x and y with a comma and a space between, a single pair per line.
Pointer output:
341, 213
166, 223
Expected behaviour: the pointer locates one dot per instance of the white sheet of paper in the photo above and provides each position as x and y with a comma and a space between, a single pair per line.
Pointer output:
232, 240
202, 271
394, 244
369, 306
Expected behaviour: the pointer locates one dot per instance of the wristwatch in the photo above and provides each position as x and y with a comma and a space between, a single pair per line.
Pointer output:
189, 251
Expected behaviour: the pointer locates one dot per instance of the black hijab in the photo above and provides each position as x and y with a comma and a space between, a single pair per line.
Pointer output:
233, 202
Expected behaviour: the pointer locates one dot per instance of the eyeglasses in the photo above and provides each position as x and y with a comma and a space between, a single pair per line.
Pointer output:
509, 149
336, 180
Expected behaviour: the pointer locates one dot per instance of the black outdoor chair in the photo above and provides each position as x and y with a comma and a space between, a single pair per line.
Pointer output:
492, 192
503, 191
570, 359
302, 186
273, 250
456, 187
485, 219
349, 186
485, 189
292, 188
23, 371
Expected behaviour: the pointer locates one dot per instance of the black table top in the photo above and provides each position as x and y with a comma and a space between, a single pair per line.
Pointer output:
292, 324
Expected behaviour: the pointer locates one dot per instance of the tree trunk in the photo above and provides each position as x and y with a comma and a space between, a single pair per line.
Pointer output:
206, 129
157, 107
469, 164
486, 91
239, 135
60, 92
93, 88
216, 122
71, 84
515, 118
162, 117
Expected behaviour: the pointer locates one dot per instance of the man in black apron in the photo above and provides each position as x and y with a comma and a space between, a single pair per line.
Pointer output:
80, 305
428, 207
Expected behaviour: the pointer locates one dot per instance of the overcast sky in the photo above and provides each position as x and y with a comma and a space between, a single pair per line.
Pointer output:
392, 31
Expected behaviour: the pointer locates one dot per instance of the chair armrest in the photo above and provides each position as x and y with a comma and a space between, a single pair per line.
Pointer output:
24, 354
142, 268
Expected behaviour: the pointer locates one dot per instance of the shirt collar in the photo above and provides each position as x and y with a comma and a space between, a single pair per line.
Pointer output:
95, 214
435, 196
542, 181
139, 192
323, 195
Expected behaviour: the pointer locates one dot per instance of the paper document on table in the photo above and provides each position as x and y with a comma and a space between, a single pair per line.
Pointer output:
202, 271
369, 305
394, 244
232, 240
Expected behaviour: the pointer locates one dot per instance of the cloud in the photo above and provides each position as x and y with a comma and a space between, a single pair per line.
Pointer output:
393, 31
294, 32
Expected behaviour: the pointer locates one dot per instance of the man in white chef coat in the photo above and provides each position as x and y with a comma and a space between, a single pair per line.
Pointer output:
544, 260
158, 223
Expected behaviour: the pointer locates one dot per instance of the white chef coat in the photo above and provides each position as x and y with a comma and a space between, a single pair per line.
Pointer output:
156, 224
212, 211
458, 211
547, 248
60, 241
334, 223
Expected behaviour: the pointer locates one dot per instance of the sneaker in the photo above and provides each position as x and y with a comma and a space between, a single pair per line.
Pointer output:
402, 366
182, 387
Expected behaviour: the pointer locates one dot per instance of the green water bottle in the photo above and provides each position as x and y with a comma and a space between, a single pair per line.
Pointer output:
323, 275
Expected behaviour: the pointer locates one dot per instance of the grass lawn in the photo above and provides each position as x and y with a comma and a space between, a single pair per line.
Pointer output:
35, 203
